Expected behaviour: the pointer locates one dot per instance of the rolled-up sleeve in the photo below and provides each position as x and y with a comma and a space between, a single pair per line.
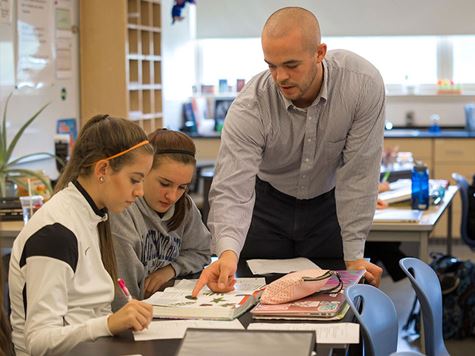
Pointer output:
358, 175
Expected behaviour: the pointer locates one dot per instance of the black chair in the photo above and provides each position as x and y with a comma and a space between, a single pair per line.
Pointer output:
462, 184
200, 186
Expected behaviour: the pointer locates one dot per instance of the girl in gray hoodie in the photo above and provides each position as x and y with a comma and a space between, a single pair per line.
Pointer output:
162, 235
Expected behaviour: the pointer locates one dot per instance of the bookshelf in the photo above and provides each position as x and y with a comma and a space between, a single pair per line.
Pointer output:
121, 60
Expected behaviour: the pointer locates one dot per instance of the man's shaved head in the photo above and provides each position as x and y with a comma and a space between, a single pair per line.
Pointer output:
289, 19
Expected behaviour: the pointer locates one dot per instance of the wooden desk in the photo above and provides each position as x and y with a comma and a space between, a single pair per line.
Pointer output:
418, 232
9, 230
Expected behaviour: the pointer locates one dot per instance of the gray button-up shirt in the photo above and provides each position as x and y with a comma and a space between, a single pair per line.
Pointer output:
335, 142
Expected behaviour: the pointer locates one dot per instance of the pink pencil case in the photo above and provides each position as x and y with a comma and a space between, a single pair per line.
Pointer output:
295, 285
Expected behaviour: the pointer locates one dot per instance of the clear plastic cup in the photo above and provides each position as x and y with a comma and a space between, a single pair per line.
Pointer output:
30, 204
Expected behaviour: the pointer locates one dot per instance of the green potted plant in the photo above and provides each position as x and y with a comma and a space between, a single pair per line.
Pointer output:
8, 166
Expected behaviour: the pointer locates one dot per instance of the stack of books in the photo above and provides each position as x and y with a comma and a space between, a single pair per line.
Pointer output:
318, 306
399, 190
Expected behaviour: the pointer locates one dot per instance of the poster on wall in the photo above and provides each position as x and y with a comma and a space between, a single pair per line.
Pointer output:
5, 12
64, 38
35, 61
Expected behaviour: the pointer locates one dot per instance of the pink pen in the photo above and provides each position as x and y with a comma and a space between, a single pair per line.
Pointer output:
122, 286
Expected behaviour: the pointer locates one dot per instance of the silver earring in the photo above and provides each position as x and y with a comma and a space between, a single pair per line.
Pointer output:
101, 179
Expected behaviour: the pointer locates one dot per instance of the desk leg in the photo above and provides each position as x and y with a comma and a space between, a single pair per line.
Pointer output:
423, 338
449, 230
424, 246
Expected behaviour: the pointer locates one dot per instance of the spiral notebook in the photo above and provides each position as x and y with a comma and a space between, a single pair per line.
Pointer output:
397, 195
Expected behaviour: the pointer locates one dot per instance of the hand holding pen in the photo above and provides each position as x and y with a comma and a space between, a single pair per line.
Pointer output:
135, 315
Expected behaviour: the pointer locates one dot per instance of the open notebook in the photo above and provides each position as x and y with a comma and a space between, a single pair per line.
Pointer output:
397, 216
177, 303
399, 190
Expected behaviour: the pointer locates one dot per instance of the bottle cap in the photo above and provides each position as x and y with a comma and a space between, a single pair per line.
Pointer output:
420, 166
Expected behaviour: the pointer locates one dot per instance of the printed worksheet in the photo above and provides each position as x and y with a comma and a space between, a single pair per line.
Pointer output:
175, 329
262, 266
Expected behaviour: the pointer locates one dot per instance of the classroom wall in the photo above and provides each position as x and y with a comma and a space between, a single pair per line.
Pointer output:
450, 108
26, 101
178, 62
226, 18
245, 18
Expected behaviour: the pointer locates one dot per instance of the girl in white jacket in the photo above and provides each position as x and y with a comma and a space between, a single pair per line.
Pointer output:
62, 270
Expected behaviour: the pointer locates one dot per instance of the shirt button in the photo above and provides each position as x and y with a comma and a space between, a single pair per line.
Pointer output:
309, 140
306, 160
304, 176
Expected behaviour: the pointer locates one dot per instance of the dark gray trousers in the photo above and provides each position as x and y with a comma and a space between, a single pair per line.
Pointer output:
283, 226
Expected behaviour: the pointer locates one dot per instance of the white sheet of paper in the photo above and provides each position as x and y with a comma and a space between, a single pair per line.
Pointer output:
328, 333
175, 329
245, 284
280, 266
399, 184
397, 216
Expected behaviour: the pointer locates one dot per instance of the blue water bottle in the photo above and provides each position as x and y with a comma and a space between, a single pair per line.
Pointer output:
420, 186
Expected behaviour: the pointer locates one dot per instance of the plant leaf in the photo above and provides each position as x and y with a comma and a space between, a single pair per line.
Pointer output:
28, 173
22, 158
12, 145
3, 133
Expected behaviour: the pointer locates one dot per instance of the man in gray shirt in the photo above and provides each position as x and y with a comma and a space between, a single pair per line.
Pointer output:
299, 161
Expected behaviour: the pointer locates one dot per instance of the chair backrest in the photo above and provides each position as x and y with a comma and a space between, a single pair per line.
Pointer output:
462, 183
427, 287
377, 316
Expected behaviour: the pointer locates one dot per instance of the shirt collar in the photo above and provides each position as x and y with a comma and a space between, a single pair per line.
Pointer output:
322, 95
169, 214
324, 88
100, 212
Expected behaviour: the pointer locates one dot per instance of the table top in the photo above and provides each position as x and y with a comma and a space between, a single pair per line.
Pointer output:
429, 217
425, 133
124, 343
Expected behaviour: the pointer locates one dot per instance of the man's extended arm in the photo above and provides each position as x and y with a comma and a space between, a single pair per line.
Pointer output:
357, 178
232, 193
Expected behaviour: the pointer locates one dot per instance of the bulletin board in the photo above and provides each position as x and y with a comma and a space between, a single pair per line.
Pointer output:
39, 63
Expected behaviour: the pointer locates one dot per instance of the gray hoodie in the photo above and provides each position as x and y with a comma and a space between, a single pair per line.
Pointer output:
143, 244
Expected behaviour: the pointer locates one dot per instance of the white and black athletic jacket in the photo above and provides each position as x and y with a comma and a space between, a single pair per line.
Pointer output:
60, 291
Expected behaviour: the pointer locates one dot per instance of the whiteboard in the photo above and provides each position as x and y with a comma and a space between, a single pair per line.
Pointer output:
26, 101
